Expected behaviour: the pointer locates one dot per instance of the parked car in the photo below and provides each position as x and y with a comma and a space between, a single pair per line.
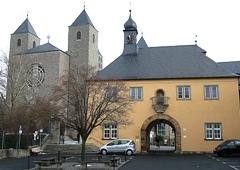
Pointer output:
125, 146
229, 147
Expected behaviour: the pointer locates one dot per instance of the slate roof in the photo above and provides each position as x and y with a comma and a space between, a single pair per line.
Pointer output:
233, 66
82, 19
142, 43
187, 61
26, 27
43, 48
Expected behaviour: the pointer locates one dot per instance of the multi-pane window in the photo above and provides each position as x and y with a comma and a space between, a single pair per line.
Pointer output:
136, 93
183, 92
110, 131
213, 130
211, 92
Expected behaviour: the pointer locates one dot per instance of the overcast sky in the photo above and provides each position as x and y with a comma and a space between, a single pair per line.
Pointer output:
163, 23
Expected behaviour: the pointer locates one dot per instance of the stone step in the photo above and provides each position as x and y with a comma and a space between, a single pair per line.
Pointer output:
69, 149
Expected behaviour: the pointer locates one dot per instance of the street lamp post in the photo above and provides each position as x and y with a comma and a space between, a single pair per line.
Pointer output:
19, 139
40, 135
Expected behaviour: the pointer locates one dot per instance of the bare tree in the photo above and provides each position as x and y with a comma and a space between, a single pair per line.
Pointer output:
15, 108
91, 102
12, 82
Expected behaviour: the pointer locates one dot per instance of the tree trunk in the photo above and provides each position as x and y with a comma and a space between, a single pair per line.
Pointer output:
83, 151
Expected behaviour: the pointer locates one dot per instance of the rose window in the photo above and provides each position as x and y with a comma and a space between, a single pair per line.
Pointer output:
35, 75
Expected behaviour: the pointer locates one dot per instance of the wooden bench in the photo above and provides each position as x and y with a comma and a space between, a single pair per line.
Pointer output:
48, 162
115, 161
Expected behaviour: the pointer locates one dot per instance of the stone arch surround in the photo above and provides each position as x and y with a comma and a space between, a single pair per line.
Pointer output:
164, 117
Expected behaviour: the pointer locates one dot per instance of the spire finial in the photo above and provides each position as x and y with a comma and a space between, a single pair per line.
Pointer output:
84, 5
27, 14
48, 37
130, 7
142, 33
195, 39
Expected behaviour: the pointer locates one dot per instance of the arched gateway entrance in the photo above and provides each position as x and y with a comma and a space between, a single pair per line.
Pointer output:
155, 122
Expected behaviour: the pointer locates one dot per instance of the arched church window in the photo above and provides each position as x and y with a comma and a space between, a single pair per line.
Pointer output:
93, 38
79, 35
34, 44
19, 42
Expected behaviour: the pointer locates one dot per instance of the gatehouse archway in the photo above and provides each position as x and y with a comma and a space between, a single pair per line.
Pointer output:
149, 127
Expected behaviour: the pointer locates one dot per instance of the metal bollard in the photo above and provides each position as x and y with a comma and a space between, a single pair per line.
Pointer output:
28, 162
59, 156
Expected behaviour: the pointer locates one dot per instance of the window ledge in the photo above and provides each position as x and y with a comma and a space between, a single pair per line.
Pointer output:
109, 138
213, 139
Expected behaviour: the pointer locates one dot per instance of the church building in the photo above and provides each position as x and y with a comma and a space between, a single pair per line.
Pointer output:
45, 64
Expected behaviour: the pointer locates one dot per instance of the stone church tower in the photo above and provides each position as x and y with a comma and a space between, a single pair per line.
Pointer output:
23, 38
83, 43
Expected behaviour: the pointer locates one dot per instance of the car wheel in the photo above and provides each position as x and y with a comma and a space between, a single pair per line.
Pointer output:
129, 152
104, 152
222, 154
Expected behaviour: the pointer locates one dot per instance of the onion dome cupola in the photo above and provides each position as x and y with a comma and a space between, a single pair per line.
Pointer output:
130, 36
130, 25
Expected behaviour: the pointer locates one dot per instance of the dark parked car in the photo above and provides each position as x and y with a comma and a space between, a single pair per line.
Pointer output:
229, 147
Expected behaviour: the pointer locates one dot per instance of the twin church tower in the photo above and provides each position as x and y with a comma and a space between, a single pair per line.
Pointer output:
42, 66
45, 64
82, 42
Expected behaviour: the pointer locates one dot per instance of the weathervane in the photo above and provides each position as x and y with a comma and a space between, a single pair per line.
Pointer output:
48, 37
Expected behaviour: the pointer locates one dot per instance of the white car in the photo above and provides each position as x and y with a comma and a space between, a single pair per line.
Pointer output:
126, 146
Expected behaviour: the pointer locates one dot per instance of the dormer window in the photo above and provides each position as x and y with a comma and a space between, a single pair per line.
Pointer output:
19, 42
34, 44
79, 35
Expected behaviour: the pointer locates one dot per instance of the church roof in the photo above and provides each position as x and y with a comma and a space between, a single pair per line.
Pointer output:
43, 48
26, 27
142, 43
82, 19
233, 66
186, 61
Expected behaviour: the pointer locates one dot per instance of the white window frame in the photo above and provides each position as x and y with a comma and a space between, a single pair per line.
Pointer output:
183, 91
110, 131
213, 91
136, 93
213, 131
